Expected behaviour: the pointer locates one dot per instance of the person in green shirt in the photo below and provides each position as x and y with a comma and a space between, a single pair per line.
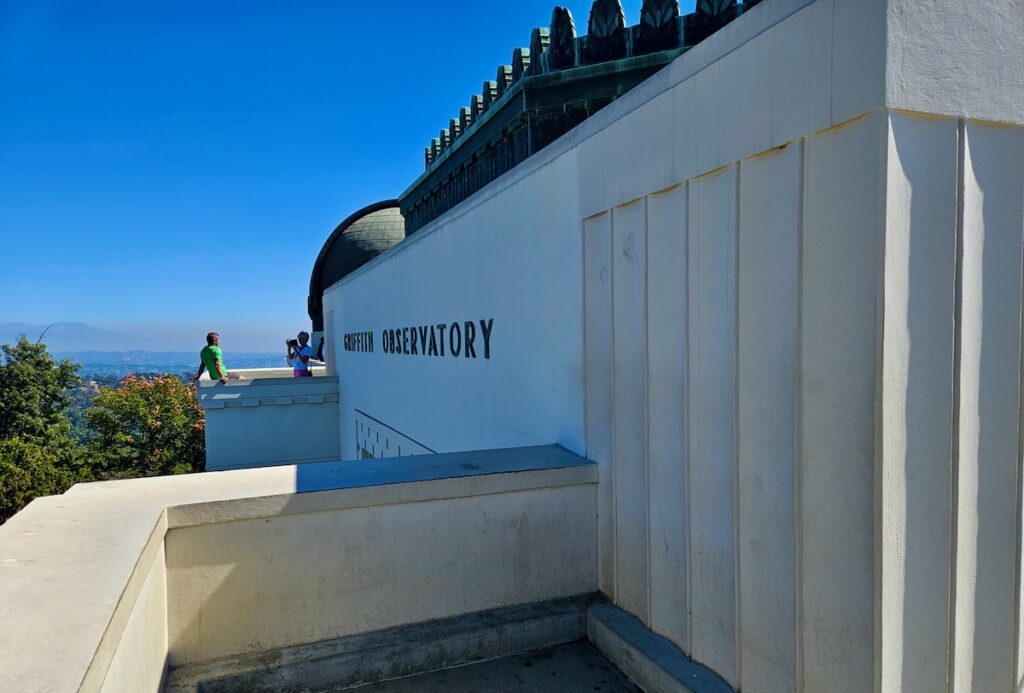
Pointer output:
212, 360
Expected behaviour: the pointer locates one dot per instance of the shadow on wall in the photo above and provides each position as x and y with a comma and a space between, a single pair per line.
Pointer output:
324, 476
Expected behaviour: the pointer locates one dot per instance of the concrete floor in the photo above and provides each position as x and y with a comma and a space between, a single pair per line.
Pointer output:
574, 668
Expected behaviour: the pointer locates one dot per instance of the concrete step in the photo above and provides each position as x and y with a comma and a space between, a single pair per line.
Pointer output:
335, 665
576, 644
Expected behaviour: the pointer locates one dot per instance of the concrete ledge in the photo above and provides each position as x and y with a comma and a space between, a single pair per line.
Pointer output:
268, 392
649, 660
72, 566
392, 653
254, 422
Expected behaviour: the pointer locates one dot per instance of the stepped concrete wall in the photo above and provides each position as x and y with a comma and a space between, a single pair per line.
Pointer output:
775, 292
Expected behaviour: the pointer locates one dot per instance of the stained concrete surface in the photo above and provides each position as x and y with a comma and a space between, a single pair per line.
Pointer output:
576, 667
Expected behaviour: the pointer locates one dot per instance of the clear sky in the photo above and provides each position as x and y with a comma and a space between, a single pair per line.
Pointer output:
171, 167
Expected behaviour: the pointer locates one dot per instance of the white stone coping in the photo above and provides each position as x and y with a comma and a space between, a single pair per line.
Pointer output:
71, 566
268, 391
258, 374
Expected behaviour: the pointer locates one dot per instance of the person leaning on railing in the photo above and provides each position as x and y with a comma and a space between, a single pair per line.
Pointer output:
212, 359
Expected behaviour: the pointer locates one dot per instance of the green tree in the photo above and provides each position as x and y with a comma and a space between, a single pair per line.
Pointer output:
146, 427
37, 453
29, 470
34, 393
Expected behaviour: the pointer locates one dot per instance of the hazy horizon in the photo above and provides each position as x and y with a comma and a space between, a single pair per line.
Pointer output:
150, 337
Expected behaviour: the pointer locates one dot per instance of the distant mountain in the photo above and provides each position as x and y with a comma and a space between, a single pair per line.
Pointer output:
75, 336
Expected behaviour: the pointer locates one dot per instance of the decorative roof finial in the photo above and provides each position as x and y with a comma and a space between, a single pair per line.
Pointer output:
540, 38
465, 118
709, 17
520, 63
659, 27
504, 78
490, 93
606, 31
476, 106
562, 54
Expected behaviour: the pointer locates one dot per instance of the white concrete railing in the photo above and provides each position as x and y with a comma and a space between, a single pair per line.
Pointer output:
261, 374
105, 587
269, 417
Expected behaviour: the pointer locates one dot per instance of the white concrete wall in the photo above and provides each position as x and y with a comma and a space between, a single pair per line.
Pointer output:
837, 354
987, 478
666, 407
767, 299
956, 58
471, 272
710, 429
246, 586
775, 292
262, 420
140, 661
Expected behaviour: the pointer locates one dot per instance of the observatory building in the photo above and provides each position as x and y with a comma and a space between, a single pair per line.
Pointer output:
696, 347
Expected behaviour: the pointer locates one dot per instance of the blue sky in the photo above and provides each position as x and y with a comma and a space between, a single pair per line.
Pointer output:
173, 167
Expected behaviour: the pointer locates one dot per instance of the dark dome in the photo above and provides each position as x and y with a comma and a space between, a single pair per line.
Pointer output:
357, 240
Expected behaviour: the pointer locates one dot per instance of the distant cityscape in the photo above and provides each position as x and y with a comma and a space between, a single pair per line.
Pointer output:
105, 355
121, 363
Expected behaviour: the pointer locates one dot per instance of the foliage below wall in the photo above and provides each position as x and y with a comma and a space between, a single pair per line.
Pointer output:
143, 426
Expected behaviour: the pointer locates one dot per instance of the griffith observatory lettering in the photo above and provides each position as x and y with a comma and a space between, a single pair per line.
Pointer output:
466, 339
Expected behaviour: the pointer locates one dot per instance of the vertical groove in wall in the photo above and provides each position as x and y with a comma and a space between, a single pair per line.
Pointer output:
647, 413
688, 307
1018, 607
798, 426
1017, 666
736, 421
957, 341
880, 241
611, 424
583, 354
686, 414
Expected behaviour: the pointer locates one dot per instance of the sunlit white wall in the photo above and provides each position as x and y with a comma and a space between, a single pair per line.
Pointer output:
775, 292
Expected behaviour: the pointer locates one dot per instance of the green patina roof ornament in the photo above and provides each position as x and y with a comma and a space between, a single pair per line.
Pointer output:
520, 63
540, 39
659, 27
606, 32
490, 93
496, 133
711, 15
503, 78
562, 40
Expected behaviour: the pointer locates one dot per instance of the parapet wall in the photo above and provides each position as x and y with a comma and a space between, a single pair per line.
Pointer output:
270, 417
113, 584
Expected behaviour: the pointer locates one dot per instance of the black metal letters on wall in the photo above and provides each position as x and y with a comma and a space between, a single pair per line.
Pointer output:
466, 339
